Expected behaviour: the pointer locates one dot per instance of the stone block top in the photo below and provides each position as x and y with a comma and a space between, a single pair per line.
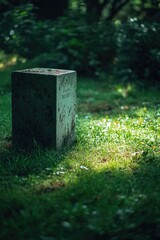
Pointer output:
45, 71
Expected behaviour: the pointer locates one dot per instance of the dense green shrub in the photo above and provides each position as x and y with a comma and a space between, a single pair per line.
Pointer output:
138, 51
132, 49
69, 42
21, 34
78, 45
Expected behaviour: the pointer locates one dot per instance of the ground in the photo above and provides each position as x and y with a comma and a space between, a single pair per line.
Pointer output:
106, 186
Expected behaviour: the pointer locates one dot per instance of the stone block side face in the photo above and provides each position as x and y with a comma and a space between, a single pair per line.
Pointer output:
66, 109
33, 109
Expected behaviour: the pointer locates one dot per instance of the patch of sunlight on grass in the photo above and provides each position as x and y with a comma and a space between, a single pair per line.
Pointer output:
100, 186
7, 61
1, 65
124, 91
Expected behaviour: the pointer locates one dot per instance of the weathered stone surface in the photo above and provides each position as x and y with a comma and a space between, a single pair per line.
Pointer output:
43, 107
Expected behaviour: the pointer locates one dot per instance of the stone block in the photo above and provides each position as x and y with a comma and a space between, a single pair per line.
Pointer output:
43, 107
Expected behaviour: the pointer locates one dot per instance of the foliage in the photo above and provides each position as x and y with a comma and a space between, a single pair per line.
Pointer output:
91, 48
101, 188
94, 10
145, 10
118, 9
87, 48
139, 51
42, 10
69, 42
21, 33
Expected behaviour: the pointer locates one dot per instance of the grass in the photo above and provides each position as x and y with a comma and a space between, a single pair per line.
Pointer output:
106, 186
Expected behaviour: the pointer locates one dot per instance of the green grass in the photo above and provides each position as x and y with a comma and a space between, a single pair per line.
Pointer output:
106, 186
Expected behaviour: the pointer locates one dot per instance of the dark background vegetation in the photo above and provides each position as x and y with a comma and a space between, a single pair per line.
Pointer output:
96, 38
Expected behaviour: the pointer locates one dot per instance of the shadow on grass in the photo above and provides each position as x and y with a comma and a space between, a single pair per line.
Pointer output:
124, 205
111, 204
23, 162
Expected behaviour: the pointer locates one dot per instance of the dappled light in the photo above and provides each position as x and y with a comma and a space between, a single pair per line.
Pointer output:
103, 182
124, 91
8, 61
106, 185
